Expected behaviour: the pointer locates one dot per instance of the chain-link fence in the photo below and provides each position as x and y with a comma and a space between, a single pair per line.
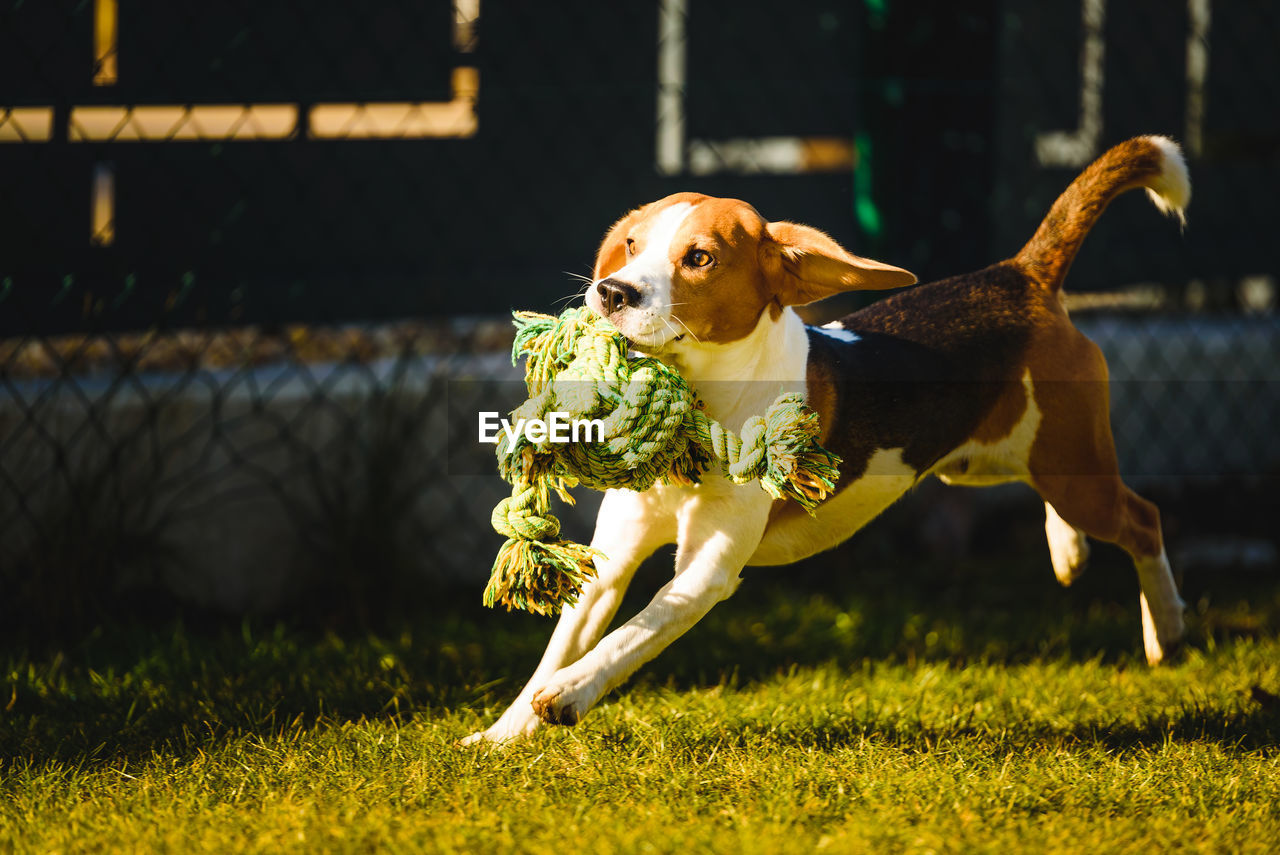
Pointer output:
251, 249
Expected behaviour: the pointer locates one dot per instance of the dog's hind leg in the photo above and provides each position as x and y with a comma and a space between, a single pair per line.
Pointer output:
627, 532
1074, 468
1104, 507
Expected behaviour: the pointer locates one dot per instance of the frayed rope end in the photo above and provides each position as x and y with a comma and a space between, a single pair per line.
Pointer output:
539, 576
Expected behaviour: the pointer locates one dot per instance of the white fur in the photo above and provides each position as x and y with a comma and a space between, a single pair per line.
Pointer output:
886, 478
984, 464
742, 378
1162, 625
1171, 190
652, 271
1068, 546
836, 330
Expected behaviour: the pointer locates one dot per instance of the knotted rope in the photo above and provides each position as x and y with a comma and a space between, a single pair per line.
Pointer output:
653, 430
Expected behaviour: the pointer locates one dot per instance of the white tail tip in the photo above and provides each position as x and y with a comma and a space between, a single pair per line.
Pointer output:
1171, 189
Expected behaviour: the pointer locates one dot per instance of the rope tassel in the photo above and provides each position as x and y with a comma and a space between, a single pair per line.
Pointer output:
654, 430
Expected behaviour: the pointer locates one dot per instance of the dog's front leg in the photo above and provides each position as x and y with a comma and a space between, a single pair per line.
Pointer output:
629, 527
719, 528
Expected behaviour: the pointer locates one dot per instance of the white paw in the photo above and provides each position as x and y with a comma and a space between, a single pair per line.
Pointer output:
516, 723
1161, 632
563, 701
1162, 625
1069, 558
1068, 547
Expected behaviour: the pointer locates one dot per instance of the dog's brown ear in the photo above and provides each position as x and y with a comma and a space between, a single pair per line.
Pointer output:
804, 265
612, 255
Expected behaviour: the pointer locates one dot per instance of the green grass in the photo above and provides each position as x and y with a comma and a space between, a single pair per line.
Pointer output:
970, 708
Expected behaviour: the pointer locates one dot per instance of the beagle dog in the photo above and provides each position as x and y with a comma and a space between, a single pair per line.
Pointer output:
978, 379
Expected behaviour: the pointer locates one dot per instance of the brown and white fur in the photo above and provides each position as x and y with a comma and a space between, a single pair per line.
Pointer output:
978, 379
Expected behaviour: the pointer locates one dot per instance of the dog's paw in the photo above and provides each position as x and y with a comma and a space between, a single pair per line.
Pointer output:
561, 703
512, 726
1162, 631
1068, 547
480, 737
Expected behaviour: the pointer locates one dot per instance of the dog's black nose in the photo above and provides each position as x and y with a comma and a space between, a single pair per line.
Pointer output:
615, 295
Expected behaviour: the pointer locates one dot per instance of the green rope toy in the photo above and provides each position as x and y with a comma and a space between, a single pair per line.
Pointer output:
654, 430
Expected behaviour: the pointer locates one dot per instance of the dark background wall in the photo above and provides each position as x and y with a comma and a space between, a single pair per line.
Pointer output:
942, 101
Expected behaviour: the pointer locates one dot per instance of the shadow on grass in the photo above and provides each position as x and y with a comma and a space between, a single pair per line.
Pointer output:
129, 692
853, 604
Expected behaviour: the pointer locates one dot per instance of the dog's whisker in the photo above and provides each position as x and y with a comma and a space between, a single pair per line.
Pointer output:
580, 293
675, 333
685, 327
568, 298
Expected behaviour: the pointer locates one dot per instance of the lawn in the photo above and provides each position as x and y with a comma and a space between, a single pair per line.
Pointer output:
968, 707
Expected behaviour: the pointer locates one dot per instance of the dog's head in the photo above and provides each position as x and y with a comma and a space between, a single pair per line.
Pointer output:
697, 267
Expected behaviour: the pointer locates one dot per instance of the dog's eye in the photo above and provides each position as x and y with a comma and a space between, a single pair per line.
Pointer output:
631, 247
698, 258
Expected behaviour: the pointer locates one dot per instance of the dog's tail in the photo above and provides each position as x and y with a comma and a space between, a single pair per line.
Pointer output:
1152, 162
